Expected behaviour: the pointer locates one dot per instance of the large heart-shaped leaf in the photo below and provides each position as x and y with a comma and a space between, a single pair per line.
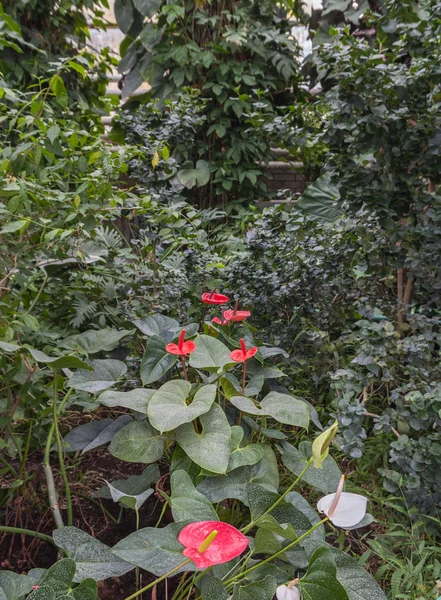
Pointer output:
105, 374
325, 479
209, 449
156, 360
97, 340
187, 504
168, 407
286, 409
14, 586
136, 400
87, 590
137, 442
358, 583
92, 558
124, 14
321, 199
212, 588
321, 580
155, 550
210, 354
233, 485
243, 455
198, 176
158, 325
94, 434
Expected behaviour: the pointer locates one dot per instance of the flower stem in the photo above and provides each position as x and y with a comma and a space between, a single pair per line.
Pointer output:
244, 530
150, 585
277, 554
184, 368
60, 454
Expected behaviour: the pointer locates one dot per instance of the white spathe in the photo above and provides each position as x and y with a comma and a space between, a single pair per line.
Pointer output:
284, 592
350, 510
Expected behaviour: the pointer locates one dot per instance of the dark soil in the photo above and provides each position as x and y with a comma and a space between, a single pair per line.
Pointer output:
29, 510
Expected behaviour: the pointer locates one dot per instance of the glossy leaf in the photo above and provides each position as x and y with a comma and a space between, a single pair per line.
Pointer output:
158, 325
197, 176
210, 354
137, 400
325, 479
243, 455
321, 580
94, 341
94, 434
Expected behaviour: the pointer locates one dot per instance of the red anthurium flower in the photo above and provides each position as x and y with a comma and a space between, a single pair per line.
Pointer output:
210, 543
243, 354
213, 298
236, 315
181, 348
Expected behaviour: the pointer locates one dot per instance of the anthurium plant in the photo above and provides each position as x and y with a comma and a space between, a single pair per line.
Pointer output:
226, 447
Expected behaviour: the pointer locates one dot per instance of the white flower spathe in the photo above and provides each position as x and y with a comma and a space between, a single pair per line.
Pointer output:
284, 592
350, 509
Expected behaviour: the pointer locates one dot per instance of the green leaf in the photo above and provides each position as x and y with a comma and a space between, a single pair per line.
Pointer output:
94, 341
155, 550
59, 90
233, 485
209, 449
320, 581
156, 361
87, 590
105, 374
187, 504
261, 499
147, 7
137, 400
94, 434
358, 583
198, 176
213, 589
321, 200
7, 347
14, 226
133, 488
241, 456
137, 442
258, 590
60, 575
320, 446
325, 479
42, 593
52, 133
124, 14
210, 354
281, 407
92, 558
158, 325
59, 362
168, 408
13, 586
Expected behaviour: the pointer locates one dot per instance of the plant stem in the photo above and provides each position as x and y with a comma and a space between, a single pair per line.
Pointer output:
277, 554
184, 368
43, 285
9, 466
150, 585
60, 454
19, 530
279, 500
244, 377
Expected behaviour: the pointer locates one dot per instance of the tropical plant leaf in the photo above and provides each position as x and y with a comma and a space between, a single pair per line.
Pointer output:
97, 340
159, 325
168, 408
241, 456
325, 479
105, 374
137, 442
92, 558
156, 360
209, 449
136, 400
210, 354
187, 504
321, 580
14, 586
197, 176
92, 435
321, 200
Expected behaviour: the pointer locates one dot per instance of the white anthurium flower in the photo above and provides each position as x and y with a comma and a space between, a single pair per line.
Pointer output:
288, 592
343, 508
